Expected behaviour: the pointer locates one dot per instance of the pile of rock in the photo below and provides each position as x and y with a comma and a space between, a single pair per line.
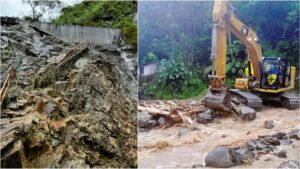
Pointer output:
222, 157
87, 119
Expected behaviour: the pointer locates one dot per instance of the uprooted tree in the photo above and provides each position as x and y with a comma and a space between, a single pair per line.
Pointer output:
39, 8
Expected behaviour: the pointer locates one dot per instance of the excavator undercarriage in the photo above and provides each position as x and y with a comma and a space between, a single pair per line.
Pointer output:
225, 101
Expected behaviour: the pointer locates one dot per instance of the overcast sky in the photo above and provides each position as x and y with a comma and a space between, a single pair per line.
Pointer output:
17, 8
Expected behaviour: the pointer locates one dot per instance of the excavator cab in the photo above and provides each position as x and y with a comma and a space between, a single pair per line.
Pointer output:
275, 73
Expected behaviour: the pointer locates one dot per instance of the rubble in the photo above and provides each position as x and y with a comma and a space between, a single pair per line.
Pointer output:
222, 157
83, 118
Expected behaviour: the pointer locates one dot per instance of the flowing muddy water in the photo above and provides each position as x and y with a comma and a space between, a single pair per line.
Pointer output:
183, 147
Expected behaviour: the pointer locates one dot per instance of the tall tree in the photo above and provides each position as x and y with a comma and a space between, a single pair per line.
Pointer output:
39, 8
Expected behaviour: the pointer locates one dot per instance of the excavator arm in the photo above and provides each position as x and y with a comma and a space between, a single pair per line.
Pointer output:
225, 20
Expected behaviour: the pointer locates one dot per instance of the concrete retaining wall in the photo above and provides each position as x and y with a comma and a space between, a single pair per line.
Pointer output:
75, 33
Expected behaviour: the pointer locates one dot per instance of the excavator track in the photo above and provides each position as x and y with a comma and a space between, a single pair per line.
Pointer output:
247, 98
290, 100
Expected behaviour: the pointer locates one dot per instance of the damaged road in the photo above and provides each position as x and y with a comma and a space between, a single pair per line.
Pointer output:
63, 111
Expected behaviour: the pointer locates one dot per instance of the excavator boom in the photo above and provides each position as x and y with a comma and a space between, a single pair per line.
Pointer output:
225, 21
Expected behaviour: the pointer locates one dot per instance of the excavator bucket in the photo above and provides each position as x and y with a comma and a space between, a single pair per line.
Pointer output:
220, 101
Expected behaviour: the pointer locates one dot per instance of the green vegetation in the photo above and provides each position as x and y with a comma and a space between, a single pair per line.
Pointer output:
179, 34
176, 81
112, 14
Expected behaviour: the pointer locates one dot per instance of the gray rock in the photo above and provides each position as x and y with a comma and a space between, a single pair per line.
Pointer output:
269, 124
285, 141
143, 118
280, 135
220, 157
282, 154
260, 145
247, 113
205, 118
152, 124
162, 121
295, 134
290, 164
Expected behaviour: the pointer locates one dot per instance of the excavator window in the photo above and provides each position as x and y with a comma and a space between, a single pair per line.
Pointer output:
275, 73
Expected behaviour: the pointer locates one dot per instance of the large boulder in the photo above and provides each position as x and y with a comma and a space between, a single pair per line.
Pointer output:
220, 157
247, 113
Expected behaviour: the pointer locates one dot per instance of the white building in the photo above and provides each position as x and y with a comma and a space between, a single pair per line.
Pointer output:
149, 69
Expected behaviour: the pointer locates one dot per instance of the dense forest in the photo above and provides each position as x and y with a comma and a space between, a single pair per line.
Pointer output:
177, 37
112, 14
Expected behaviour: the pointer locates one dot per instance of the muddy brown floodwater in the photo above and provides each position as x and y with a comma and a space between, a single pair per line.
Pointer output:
183, 147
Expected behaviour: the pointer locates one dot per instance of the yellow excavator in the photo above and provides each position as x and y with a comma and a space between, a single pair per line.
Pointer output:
267, 78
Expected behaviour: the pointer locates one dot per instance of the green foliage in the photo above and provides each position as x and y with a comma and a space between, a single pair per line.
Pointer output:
235, 66
39, 8
176, 80
150, 58
113, 14
28, 18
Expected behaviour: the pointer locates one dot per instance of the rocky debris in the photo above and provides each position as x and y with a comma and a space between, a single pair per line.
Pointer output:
269, 124
282, 154
290, 164
295, 134
206, 117
220, 157
248, 152
27, 51
86, 119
